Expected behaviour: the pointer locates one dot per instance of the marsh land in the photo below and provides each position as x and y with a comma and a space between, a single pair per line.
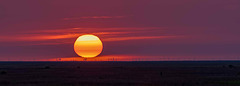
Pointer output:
142, 73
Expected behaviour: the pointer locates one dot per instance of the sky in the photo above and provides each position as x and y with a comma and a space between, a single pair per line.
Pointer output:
142, 30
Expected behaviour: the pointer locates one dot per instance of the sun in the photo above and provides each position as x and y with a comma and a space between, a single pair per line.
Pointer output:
88, 46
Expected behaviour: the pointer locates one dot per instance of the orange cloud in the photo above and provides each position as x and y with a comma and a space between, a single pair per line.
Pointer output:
36, 37
66, 36
136, 38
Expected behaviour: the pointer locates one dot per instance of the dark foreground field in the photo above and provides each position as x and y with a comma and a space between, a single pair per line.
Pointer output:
203, 73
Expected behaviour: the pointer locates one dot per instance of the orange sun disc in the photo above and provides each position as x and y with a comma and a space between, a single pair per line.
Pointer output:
88, 46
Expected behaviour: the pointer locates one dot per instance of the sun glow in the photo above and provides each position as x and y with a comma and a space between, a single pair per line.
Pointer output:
88, 46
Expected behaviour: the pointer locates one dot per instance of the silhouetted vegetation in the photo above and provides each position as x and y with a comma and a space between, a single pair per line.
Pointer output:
47, 67
161, 73
3, 72
118, 67
231, 66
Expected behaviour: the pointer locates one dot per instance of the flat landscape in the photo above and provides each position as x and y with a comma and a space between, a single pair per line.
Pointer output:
145, 73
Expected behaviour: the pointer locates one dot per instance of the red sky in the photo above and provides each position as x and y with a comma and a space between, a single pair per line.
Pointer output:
130, 29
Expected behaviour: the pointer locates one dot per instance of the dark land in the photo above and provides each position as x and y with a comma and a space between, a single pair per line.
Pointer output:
156, 73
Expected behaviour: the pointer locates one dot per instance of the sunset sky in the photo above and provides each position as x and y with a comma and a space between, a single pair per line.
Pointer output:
152, 30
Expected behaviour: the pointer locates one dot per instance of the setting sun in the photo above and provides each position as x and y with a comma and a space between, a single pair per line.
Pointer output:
88, 46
